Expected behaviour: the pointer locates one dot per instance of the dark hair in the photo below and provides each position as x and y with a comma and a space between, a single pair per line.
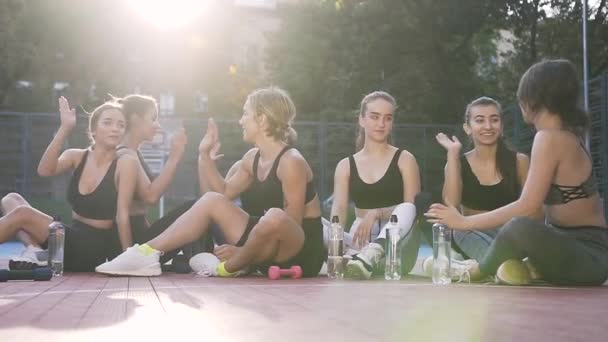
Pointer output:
554, 85
506, 157
360, 142
135, 104
96, 114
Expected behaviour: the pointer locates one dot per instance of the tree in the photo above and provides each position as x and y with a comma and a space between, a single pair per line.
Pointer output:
422, 52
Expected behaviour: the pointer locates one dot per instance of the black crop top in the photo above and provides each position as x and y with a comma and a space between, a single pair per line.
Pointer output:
99, 204
263, 195
484, 197
386, 192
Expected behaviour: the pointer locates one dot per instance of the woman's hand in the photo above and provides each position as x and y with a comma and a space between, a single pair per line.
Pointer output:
225, 252
67, 115
448, 215
362, 235
452, 145
210, 144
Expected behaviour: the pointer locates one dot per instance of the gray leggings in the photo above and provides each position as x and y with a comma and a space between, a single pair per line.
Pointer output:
562, 256
474, 243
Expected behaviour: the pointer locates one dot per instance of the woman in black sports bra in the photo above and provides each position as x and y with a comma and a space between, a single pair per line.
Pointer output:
284, 225
99, 191
382, 180
571, 246
487, 177
142, 117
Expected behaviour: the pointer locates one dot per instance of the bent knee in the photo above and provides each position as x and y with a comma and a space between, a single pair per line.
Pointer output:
23, 211
210, 197
11, 197
275, 217
516, 227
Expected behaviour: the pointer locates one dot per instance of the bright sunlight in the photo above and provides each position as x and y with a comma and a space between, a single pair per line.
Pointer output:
167, 14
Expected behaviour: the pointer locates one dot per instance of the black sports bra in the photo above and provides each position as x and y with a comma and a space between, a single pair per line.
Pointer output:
562, 194
386, 192
266, 194
99, 204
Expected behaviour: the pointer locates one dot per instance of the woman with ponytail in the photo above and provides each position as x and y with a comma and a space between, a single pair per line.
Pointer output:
570, 247
382, 180
485, 178
283, 226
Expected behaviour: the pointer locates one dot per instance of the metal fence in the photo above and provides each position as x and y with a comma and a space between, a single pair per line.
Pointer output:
24, 136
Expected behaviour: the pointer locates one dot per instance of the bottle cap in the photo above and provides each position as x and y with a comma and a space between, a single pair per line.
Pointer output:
394, 218
335, 219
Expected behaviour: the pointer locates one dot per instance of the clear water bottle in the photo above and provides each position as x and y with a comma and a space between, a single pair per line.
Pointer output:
335, 250
56, 243
392, 269
442, 247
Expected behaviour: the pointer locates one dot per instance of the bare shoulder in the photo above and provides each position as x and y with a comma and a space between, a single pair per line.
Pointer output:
406, 158
247, 160
343, 168
293, 157
127, 162
522, 158
74, 155
551, 136
126, 151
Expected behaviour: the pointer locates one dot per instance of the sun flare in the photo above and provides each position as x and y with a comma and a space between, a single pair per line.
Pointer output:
167, 14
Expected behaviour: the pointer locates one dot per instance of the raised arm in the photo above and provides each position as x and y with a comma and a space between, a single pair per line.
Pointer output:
126, 174
542, 168
210, 178
339, 206
151, 191
452, 185
53, 162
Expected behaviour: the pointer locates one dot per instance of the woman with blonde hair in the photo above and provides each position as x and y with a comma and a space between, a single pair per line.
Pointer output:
283, 226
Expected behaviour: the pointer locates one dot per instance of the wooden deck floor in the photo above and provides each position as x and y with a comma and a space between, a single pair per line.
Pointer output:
90, 307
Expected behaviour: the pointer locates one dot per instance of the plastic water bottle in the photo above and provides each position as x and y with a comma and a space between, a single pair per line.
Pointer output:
56, 242
335, 250
392, 270
442, 247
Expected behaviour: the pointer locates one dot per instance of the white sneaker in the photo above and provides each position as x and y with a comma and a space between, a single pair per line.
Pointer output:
32, 257
204, 264
459, 269
362, 265
132, 263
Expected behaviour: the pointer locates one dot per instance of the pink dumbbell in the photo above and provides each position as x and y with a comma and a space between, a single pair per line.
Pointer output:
274, 272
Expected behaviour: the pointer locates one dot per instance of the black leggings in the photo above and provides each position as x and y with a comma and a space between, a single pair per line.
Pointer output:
310, 257
562, 256
141, 233
86, 247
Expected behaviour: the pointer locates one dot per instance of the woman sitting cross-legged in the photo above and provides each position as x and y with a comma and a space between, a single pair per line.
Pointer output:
284, 225
382, 180
571, 246
99, 191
